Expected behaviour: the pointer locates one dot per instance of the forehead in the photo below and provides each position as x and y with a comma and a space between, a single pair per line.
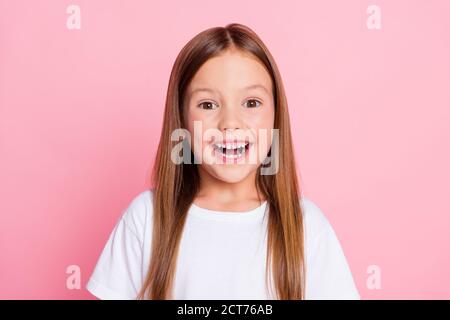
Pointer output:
231, 71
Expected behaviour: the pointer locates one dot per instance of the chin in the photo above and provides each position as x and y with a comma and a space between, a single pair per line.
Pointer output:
230, 173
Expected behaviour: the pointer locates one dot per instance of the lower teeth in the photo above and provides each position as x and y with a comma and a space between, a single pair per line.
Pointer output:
230, 153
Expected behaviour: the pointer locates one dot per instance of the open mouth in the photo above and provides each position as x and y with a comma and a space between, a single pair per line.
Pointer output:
231, 151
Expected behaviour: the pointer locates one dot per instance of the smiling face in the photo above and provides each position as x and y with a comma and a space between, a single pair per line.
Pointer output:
231, 98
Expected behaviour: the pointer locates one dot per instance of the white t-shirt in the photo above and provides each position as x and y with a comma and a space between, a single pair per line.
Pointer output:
221, 255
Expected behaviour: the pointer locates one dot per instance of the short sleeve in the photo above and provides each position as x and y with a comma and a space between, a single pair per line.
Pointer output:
118, 272
328, 273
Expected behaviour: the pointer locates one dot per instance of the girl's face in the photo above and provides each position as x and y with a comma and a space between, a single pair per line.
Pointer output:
230, 100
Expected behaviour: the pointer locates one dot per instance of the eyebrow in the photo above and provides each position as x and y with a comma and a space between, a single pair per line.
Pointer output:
253, 86
257, 86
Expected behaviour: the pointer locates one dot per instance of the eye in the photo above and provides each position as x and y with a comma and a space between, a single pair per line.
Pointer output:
253, 103
208, 105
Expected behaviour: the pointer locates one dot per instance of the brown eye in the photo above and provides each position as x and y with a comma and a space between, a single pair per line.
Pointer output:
253, 103
207, 105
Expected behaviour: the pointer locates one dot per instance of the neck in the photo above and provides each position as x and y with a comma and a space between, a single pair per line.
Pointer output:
225, 192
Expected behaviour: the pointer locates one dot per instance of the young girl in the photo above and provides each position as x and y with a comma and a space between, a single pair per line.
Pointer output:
218, 225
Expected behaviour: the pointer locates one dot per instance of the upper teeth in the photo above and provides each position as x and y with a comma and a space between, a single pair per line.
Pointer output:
230, 145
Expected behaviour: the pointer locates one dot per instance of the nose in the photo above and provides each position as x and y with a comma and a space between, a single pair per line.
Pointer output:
230, 118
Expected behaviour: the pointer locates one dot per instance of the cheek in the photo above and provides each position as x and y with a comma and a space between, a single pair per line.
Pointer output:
195, 114
262, 120
263, 123
192, 119
197, 123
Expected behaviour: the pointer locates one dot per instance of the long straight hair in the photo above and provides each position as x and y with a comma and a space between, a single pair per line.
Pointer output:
176, 185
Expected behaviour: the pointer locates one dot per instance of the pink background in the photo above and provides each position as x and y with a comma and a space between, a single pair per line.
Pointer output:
81, 114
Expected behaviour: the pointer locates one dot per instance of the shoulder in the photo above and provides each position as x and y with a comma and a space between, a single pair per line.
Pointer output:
138, 213
315, 221
328, 273
119, 270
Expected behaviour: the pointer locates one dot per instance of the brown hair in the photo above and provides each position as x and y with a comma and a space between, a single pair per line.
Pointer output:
176, 185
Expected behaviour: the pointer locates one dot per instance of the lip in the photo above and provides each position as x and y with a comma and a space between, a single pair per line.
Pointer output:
232, 141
